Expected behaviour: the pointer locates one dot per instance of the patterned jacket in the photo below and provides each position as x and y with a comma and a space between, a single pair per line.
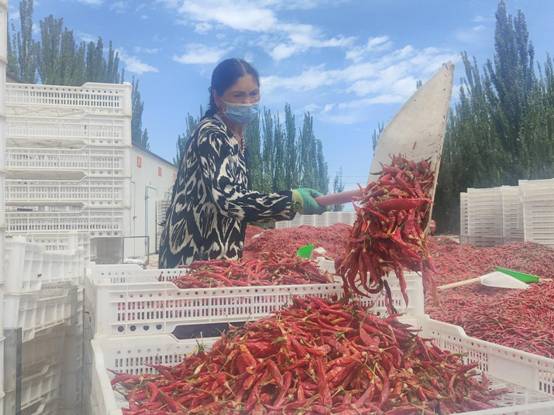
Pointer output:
211, 202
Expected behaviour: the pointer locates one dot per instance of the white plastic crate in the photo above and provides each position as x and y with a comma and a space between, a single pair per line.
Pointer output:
2, 200
105, 222
325, 219
484, 216
27, 266
538, 210
45, 349
63, 266
2, 388
128, 300
34, 131
512, 214
36, 311
41, 387
90, 98
62, 242
89, 161
2, 257
464, 220
49, 405
89, 192
23, 265
530, 377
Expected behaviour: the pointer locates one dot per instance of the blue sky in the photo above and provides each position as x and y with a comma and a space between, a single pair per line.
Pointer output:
352, 63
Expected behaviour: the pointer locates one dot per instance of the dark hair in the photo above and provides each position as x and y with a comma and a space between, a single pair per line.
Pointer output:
225, 74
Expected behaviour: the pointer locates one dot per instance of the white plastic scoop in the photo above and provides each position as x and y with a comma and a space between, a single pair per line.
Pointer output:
494, 279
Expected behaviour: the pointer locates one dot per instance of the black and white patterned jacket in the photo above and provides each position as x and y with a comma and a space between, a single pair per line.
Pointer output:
211, 201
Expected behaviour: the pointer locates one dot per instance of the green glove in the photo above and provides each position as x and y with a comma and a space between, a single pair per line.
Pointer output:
305, 203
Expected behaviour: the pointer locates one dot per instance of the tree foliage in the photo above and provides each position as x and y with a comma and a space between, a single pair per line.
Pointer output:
501, 129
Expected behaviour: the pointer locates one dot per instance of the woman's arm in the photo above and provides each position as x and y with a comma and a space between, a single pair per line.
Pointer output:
219, 172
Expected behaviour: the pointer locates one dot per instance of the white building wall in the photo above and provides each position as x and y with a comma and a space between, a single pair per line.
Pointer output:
151, 179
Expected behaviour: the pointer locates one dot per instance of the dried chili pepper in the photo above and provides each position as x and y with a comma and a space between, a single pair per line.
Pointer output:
388, 233
381, 367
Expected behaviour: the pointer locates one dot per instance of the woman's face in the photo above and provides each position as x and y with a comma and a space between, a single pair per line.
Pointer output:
244, 91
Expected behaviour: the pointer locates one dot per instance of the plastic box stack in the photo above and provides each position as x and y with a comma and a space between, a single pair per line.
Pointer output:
464, 219
133, 313
484, 207
512, 214
538, 210
326, 219
68, 160
508, 213
43, 300
3, 64
491, 216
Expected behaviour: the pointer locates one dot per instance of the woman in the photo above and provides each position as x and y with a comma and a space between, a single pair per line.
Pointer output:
211, 202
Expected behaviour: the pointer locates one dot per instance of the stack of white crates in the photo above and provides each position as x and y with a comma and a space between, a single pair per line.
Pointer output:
325, 219
512, 214
491, 216
538, 210
68, 159
3, 65
484, 216
42, 301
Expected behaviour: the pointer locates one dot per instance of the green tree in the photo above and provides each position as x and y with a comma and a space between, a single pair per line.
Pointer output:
137, 132
501, 128
338, 186
291, 153
279, 160
307, 148
184, 138
252, 138
23, 47
268, 153
376, 134
322, 178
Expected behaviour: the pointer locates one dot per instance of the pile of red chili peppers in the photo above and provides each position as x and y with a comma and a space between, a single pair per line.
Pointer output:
313, 358
267, 269
286, 241
388, 235
522, 319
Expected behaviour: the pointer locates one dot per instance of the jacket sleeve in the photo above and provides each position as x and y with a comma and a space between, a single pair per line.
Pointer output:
219, 171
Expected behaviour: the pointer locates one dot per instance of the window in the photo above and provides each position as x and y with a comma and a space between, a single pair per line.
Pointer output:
159, 171
139, 162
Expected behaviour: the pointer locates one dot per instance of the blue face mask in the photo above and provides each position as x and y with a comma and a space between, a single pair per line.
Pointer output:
241, 113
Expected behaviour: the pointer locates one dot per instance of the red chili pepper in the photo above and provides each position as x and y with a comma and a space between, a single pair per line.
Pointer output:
372, 365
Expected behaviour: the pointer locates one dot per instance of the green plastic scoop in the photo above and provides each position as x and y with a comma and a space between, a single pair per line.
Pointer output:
305, 251
526, 278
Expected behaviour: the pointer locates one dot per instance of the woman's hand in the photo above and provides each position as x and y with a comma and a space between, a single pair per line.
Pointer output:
305, 203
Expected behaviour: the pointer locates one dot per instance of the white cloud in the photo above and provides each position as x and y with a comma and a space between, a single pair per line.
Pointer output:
374, 44
86, 37
283, 39
202, 27
196, 53
387, 79
91, 2
483, 19
119, 7
472, 34
134, 64
147, 51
